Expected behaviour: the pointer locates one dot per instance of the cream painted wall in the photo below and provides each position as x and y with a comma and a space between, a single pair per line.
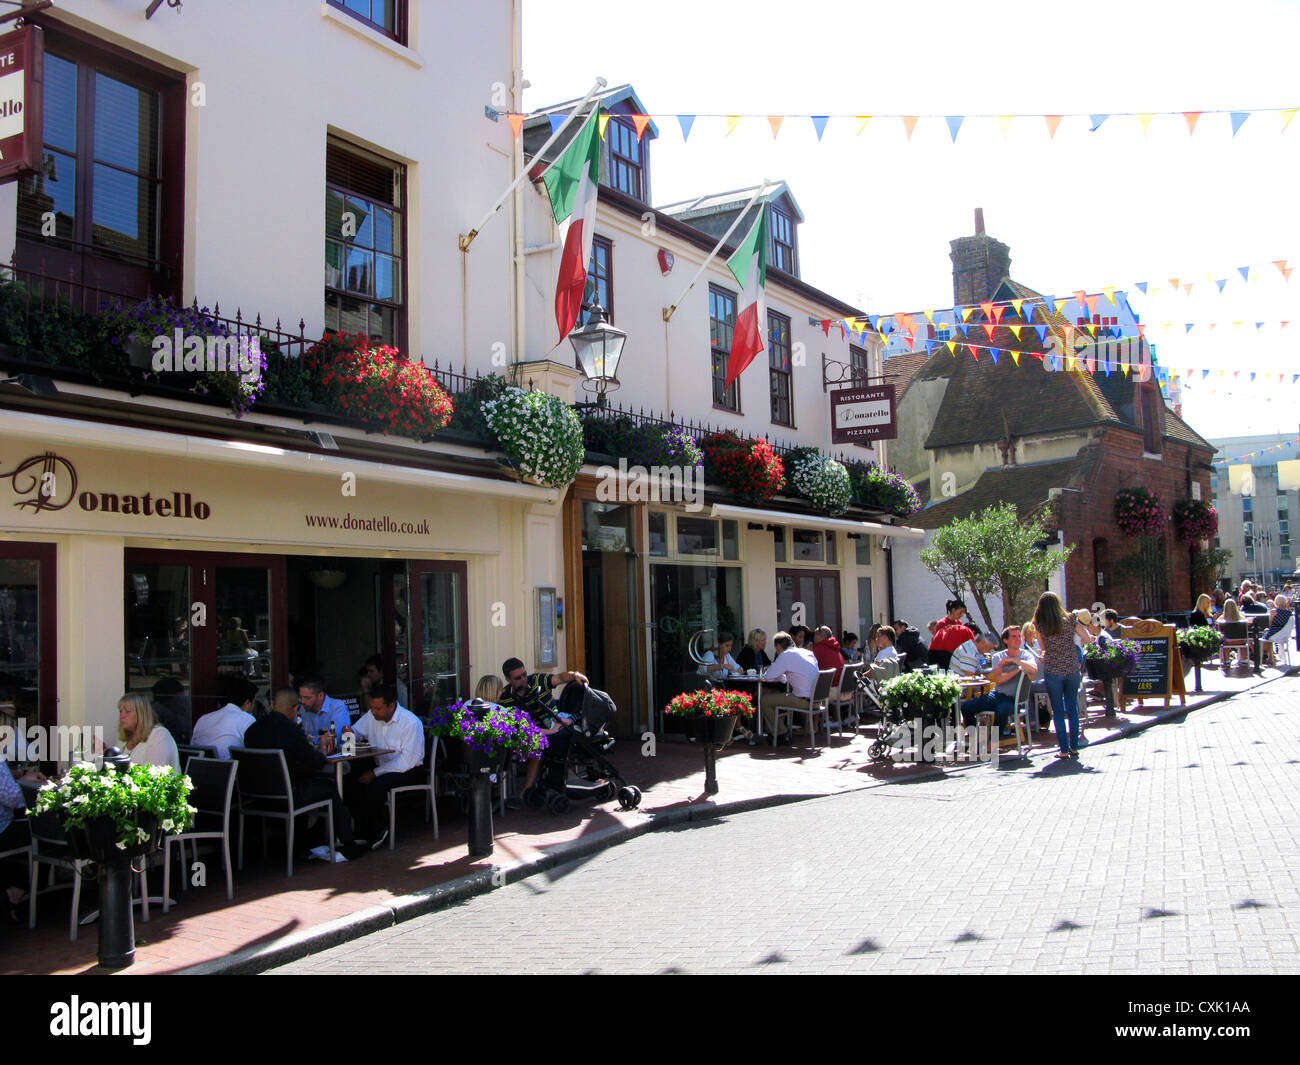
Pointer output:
276, 78
91, 641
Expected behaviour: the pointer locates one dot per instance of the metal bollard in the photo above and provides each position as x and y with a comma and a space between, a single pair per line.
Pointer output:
116, 920
480, 794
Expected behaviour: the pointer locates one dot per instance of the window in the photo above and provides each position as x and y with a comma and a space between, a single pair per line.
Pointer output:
600, 280
1286, 550
1250, 553
111, 131
697, 536
778, 360
1284, 529
722, 325
364, 245
862, 550
1248, 529
808, 545
782, 241
832, 555
625, 165
859, 367
658, 533
778, 542
1283, 507
1247, 506
386, 16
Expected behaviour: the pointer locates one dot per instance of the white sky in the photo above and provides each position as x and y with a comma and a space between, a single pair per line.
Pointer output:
1082, 211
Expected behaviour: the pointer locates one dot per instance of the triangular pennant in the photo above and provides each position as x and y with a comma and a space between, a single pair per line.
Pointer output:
974, 352
602, 121
1028, 312
1252, 376
1097, 120
1141, 286
639, 123
1079, 294
1144, 121
929, 347
987, 308
1244, 271
1109, 293
1221, 282
775, 122
989, 330
929, 316
1060, 304
862, 123
1288, 115
732, 122
557, 121
1015, 357
1287, 272
993, 354
1091, 301
1041, 330
1259, 325
1191, 117
686, 122
954, 124
1124, 368
1004, 121
952, 347
965, 329
909, 123
1015, 330
1052, 122
1187, 286
1173, 283
819, 124
966, 312
1281, 265
1238, 117
826, 326
516, 123
1205, 374
1016, 305
998, 311
1187, 328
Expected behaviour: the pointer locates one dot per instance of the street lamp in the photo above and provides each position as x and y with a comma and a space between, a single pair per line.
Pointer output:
598, 346
1261, 539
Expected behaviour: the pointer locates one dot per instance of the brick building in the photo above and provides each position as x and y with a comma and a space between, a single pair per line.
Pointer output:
974, 432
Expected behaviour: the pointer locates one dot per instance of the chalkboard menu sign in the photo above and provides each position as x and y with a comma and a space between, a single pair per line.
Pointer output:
1159, 670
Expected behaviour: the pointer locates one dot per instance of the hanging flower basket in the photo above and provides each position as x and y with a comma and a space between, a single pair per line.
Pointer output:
749, 469
539, 433
1199, 643
819, 479
490, 736
1113, 659
1195, 520
377, 383
879, 489
1138, 513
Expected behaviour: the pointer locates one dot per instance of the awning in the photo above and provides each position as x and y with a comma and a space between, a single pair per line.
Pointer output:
807, 521
51, 431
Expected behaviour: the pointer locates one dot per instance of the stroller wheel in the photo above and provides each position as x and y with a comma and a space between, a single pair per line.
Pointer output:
557, 804
877, 749
534, 798
629, 797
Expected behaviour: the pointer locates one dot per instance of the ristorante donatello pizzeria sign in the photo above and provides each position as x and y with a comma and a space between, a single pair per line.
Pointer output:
860, 415
21, 61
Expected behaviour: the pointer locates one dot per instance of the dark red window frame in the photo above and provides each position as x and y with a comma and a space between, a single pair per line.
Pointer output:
722, 332
47, 633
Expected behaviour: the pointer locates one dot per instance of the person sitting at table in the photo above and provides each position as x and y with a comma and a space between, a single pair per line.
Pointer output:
1281, 615
1008, 665
371, 675
1202, 613
718, 663
949, 634
908, 642
799, 634
1250, 605
320, 712
384, 724
531, 692
146, 741
276, 731
886, 646
14, 834
753, 655
171, 708
849, 647
224, 728
826, 650
965, 661
796, 666
1109, 627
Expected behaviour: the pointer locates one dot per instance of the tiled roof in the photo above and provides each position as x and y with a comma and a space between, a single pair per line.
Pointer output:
720, 201
607, 98
898, 370
1025, 486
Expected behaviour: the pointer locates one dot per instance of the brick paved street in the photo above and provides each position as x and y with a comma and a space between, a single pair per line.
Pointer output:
1173, 851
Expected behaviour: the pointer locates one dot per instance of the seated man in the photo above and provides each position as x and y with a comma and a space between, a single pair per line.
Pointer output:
966, 658
531, 692
826, 650
885, 649
797, 667
909, 645
384, 724
277, 731
320, 712
1109, 627
224, 728
1008, 665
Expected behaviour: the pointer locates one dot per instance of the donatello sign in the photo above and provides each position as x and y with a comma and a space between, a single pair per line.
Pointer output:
860, 415
21, 60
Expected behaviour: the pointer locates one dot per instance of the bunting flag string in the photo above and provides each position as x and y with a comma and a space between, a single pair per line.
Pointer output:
1092, 123
1257, 454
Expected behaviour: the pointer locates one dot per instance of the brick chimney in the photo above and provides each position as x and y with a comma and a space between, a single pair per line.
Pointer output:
979, 263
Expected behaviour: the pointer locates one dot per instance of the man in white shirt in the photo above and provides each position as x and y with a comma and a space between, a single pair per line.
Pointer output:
885, 645
798, 667
225, 728
389, 725
966, 659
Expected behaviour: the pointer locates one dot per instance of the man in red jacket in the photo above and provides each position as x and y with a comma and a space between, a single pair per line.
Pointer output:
826, 649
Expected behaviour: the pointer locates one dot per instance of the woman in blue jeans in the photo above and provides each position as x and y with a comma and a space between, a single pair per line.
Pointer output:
1060, 666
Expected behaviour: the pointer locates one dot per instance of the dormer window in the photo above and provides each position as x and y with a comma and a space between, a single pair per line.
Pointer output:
626, 166
782, 240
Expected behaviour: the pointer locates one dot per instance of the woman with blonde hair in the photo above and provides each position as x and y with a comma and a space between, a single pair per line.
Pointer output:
146, 741
1203, 612
488, 688
1231, 613
1060, 670
752, 655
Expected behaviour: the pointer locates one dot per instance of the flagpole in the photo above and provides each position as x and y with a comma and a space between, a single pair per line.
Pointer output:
669, 311
466, 239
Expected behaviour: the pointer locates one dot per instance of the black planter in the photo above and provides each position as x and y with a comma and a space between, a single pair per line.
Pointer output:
714, 730
97, 842
1099, 669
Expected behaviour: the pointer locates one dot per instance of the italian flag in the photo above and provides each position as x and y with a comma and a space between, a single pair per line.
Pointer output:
749, 265
571, 183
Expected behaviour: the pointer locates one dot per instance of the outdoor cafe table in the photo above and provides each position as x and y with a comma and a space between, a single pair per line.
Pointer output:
337, 760
971, 688
754, 686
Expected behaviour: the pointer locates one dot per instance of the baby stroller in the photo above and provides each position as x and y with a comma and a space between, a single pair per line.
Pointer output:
574, 767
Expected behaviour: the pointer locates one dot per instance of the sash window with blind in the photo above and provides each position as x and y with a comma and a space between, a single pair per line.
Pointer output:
722, 326
106, 209
779, 371
365, 238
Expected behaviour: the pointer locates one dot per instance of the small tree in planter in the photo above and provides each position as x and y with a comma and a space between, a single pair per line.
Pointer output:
748, 469
539, 433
